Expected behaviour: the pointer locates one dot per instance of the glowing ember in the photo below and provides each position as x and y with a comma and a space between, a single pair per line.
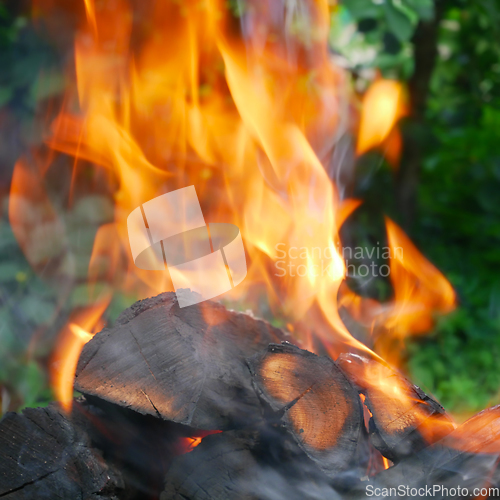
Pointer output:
192, 442
188, 444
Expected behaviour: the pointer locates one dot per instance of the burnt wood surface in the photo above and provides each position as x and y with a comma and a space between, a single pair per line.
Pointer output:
44, 454
317, 403
142, 447
261, 464
186, 365
403, 419
468, 457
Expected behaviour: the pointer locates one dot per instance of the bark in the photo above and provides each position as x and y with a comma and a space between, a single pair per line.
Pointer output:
45, 454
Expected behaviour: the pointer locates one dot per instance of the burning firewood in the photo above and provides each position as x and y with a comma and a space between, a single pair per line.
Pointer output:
403, 419
237, 465
214, 468
46, 454
142, 447
465, 459
479, 434
317, 403
186, 365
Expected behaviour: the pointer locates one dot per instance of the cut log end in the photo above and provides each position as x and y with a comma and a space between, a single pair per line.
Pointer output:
318, 404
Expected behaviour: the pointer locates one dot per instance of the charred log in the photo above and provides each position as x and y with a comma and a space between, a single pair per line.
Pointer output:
142, 447
317, 403
44, 454
403, 419
243, 465
186, 365
466, 459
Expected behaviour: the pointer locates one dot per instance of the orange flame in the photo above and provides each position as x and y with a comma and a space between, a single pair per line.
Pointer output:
420, 292
394, 401
245, 106
419, 288
383, 105
71, 340
188, 444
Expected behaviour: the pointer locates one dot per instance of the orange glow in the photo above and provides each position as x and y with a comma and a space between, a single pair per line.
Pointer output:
247, 109
191, 442
479, 434
80, 333
420, 292
385, 461
71, 340
188, 444
419, 288
383, 106
393, 400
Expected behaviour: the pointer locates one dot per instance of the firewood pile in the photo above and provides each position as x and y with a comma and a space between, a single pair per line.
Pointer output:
269, 420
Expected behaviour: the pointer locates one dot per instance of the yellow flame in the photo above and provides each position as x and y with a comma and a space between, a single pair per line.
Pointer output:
383, 105
246, 108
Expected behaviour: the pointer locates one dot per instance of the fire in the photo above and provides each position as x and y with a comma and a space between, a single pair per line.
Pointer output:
188, 444
420, 292
383, 106
246, 106
419, 288
394, 401
71, 340
192, 442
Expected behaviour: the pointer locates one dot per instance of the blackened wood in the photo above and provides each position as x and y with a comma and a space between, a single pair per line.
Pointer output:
181, 364
46, 455
242, 465
403, 419
140, 446
468, 457
214, 469
319, 406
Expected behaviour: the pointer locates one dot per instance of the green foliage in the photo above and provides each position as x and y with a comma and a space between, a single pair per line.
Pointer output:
459, 219
27, 305
30, 72
377, 34
460, 231
458, 222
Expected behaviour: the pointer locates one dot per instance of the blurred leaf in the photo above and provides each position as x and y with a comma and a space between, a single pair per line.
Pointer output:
5, 95
32, 381
85, 294
11, 271
423, 8
399, 23
362, 9
37, 309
